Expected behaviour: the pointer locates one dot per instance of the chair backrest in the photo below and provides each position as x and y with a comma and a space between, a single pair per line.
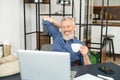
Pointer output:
46, 47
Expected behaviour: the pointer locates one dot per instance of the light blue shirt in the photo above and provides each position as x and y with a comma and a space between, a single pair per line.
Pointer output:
59, 44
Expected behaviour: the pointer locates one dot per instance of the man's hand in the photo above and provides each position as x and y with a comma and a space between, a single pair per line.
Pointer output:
84, 52
48, 19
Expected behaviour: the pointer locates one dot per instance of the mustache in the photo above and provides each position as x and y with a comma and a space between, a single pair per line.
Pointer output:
69, 37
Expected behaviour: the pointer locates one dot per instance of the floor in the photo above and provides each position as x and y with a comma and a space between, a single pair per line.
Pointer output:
117, 57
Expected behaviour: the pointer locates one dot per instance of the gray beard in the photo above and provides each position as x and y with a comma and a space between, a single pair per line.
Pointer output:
68, 37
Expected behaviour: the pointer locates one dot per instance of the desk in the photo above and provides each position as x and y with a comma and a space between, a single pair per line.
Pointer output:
13, 77
92, 69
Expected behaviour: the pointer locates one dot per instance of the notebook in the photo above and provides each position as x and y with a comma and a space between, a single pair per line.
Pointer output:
44, 65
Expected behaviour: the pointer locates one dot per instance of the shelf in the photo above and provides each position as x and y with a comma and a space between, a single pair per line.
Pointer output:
56, 14
30, 32
113, 12
108, 24
94, 24
33, 1
40, 37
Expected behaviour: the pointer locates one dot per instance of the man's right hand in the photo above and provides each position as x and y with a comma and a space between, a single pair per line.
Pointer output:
48, 19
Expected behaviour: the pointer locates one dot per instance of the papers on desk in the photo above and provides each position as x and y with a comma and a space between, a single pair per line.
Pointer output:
87, 77
105, 77
73, 74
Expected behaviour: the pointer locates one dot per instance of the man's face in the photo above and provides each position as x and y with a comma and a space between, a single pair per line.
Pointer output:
67, 29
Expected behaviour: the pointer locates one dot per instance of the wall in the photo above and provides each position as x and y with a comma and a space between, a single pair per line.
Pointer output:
114, 30
96, 30
111, 30
10, 27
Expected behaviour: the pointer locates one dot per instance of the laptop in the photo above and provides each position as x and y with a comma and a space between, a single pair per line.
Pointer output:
44, 65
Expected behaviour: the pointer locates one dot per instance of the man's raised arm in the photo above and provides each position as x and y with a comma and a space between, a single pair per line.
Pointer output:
51, 20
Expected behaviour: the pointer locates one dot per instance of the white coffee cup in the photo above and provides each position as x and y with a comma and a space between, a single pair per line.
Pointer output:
75, 47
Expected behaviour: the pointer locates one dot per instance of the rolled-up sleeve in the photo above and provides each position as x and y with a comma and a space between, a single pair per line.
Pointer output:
52, 29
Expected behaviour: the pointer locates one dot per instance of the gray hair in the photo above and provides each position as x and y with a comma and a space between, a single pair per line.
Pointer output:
68, 18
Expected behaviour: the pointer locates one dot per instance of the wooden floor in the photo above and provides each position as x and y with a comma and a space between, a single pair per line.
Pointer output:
117, 57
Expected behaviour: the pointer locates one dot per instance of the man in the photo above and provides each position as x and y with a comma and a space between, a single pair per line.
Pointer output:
63, 38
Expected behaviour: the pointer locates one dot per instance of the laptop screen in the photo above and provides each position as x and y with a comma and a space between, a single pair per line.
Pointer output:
44, 65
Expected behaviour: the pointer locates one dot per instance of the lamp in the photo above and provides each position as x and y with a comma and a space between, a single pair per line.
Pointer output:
66, 2
62, 2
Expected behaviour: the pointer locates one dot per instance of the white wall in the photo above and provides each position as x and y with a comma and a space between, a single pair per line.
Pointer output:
10, 26
21, 23
114, 30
